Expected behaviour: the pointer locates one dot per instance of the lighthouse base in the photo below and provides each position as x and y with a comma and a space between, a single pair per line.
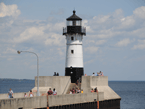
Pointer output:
75, 73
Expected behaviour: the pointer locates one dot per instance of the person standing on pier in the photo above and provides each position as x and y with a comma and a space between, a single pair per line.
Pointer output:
10, 93
31, 94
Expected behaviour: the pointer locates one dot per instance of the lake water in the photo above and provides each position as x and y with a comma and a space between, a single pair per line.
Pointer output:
132, 93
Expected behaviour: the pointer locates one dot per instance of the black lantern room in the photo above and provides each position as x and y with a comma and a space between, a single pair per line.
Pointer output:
74, 25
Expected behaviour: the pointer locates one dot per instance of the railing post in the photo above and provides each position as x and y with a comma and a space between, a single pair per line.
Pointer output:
47, 103
97, 100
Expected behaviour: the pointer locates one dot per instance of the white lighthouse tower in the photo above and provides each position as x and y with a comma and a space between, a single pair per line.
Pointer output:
74, 51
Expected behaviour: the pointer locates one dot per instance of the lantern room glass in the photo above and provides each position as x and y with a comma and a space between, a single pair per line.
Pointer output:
74, 23
78, 22
69, 23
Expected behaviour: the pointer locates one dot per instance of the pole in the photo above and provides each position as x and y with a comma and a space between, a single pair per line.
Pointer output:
38, 93
97, 100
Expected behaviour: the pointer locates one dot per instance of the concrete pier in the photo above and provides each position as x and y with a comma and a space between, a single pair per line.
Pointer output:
106, 95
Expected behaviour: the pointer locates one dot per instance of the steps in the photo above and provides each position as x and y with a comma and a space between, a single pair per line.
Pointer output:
73, 85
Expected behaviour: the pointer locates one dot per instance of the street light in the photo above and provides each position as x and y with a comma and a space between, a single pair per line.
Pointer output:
38, 94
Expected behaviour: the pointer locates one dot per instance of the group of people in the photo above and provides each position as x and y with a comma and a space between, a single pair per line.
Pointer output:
94, 90
30, 94
54, 92
98, 74
10, 94
50, 92
74, 91
56, 74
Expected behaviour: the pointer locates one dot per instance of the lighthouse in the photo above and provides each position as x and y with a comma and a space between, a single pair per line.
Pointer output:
74, 33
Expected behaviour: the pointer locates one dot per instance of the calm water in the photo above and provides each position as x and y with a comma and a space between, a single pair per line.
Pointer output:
132, 93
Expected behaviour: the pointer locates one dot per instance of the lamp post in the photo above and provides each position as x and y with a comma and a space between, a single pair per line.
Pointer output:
38, 94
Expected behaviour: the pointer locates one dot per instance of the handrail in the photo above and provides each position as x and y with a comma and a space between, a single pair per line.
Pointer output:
83, 29
66, 86
65, 30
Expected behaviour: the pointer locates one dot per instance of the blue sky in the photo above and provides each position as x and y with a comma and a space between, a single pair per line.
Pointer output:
114, 44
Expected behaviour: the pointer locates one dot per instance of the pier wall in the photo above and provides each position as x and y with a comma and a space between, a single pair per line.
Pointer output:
101, 82
107, 104
53, 100
74, 98
60, 83
25, 103
17, 95
91, 81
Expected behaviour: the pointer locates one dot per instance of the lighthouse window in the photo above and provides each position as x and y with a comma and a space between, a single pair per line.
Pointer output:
72, 38
69, 23
72, 51
78, 23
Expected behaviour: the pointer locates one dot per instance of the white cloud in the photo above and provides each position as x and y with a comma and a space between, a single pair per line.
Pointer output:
88, 28
116, 24
55, 27
9, 59
10, 50
54, 39
140, 45
60, 51
140, 12
28, 34
100, 42
127, 22
140, 32
89, 62
97, 42
118, 14
124, 42
9, 10
91, 49
101, 18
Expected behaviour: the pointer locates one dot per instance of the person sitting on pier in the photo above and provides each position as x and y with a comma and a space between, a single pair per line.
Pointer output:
102, 74
10, 93
70, 92
93, 74
54, 74
78, 91
82, 91
31, 94
57, 74
73, 91
50, 92
54, 92
25, 95
98, 73
92, 90
96, 90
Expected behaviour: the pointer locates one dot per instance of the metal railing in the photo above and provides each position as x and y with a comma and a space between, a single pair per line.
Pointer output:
83, 29
65, 30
